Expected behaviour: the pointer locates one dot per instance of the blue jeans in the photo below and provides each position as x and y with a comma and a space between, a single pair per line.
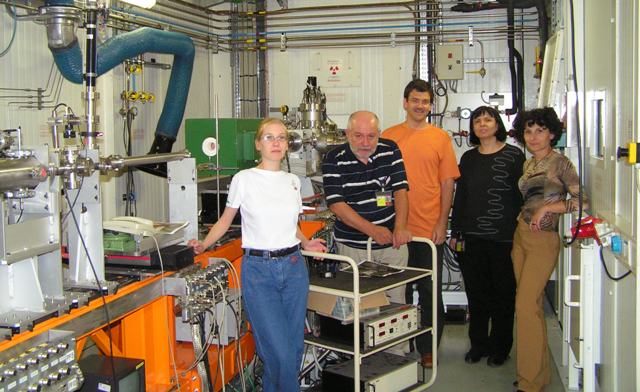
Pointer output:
275, 298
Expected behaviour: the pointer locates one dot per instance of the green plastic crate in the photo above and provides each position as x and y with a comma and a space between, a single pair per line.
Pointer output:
118, 242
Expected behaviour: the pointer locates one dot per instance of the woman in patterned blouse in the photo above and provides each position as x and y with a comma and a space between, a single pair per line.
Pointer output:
548, 178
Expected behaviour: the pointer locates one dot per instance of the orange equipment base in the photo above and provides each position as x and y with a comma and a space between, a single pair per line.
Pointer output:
148, 332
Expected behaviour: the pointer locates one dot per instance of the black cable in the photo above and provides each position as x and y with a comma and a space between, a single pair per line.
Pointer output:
237, 341
127, 138
215, 379
206, 347
577, 114
606, 270
20, 216
441, 91
62, 104
458, 139
515, 105
235, 315
207, 343
75, 199
95, 275
451, 259
257, 379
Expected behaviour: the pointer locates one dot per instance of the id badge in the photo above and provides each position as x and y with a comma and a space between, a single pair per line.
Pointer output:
384, 199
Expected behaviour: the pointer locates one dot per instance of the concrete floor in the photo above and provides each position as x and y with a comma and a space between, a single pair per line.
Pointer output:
456, 375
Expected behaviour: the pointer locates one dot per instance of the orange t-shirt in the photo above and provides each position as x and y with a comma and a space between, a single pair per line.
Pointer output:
428, 159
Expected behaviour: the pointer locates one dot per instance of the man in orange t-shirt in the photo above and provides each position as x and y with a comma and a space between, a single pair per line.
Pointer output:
431, 167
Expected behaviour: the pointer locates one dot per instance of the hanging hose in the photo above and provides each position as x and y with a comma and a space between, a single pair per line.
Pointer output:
515, 105
516, 64
197, 348
520, 79
543, 25
203, 341
68, 57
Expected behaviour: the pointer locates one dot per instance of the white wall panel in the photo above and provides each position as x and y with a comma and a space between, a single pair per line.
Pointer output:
626, 111
385, 70
27, 65
382, 72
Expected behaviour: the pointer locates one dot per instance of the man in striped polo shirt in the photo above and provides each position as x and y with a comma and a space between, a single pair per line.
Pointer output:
366, 186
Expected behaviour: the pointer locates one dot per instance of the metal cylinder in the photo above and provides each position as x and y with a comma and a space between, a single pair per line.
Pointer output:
21, 173
61, 25
90, 76
155, 158
295, 142
60, 33
312, 109
54, 134
311, 115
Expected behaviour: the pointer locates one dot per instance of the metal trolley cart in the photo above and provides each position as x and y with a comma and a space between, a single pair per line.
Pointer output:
351, 286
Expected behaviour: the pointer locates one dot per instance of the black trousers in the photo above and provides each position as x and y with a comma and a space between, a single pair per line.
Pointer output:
420, 257
490, 284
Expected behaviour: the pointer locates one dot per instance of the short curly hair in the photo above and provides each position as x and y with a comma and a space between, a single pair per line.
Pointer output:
544, 117
501, 132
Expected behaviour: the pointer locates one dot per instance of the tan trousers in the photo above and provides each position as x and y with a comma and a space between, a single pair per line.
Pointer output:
534, 255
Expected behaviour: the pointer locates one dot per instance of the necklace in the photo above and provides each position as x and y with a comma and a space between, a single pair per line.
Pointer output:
536, 162
531, 171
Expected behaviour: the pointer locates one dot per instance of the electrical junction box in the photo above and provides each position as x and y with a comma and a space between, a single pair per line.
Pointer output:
449, 62
226, 319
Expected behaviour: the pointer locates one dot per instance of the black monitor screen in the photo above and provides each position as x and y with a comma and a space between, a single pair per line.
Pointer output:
130, 383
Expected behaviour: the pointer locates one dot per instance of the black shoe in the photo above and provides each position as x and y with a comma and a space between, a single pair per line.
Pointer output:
496, 360
474, 356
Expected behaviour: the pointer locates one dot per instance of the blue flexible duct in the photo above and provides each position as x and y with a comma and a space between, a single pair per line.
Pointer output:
129, 45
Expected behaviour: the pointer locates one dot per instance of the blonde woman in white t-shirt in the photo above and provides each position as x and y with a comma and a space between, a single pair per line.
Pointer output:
275, 281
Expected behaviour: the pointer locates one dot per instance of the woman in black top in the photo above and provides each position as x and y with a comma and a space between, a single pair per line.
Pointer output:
485, 210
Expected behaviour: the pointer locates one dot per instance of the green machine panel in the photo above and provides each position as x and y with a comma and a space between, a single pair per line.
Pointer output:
236, 145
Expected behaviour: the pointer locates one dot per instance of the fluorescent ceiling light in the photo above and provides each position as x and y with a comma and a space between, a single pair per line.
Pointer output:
142, 3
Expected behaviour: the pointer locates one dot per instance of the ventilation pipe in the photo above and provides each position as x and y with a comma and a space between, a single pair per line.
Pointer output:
517, 88
516, 65
66, 52
543, 23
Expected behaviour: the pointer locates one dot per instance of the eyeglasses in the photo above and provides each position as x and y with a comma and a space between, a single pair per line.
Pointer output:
272, 138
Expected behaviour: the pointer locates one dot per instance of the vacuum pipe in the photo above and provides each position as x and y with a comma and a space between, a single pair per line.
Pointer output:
21, 174
119, 48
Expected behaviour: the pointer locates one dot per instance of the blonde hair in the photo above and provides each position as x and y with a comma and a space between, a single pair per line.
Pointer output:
265, 123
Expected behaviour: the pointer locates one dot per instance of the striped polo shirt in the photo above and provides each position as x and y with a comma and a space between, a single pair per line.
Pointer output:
348, 180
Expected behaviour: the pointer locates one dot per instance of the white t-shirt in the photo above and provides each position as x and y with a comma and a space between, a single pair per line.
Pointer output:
270, 204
